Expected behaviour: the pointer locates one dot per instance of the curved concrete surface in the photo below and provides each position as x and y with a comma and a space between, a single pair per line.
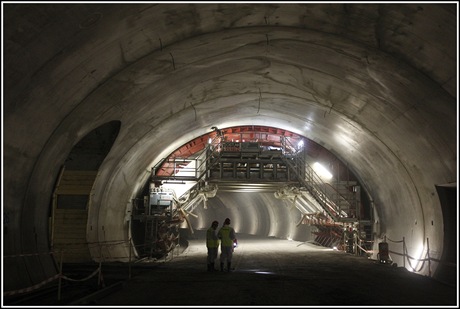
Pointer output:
373, 83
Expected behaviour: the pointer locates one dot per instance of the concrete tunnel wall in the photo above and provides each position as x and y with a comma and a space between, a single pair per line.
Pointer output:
254, 213
169, 73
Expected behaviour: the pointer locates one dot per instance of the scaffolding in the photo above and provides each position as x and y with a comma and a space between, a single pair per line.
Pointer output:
336, 205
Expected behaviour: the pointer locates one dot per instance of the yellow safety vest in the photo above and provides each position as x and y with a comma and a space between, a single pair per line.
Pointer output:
211, 240
224, 235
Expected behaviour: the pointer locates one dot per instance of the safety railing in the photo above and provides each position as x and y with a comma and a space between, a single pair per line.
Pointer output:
410, 259
60, 276
406, 257
329, 200
202, 164
59, 257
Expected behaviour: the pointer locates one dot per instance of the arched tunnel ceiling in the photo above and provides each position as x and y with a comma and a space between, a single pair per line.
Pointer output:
374, 83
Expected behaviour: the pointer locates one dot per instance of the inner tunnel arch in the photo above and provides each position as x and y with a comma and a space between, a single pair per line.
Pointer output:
258, 215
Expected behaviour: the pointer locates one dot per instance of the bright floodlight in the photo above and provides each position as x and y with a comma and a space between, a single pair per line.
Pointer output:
322, 171
300, 144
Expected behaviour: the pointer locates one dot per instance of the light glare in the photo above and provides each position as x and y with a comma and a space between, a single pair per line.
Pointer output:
322, 171
300, 144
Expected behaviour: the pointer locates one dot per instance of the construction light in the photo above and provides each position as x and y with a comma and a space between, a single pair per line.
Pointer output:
300, 144
322, 171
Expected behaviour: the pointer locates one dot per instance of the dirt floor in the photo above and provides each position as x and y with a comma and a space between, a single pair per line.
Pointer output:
275, 272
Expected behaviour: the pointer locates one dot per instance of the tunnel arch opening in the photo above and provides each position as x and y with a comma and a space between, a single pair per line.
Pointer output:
156, 229
72, 192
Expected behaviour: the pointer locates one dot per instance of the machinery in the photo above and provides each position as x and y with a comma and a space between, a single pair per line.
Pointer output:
161, 201
157, 220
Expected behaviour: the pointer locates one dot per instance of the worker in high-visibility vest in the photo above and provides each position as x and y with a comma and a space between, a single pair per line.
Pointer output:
212, 243
349, 240
227, 236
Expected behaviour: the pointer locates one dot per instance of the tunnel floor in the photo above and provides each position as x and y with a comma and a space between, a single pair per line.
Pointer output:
267, 272
275, 272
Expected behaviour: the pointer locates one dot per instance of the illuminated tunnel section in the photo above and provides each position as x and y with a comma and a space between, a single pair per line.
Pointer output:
253, 204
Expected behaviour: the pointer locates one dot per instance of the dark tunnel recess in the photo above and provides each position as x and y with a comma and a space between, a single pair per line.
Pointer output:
72, 193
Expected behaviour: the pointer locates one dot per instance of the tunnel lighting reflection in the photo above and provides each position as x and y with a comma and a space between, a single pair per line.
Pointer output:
264, 273
322, 171
345, 138
419, 258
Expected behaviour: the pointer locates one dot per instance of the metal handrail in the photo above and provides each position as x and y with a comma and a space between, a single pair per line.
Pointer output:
312, 182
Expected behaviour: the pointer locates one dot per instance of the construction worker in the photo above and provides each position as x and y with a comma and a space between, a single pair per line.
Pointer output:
349, 240
212, 243
227, 236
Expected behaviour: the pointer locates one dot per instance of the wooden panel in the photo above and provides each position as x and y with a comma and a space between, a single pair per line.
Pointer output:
76, 182
74, 190
69, 225
70, 235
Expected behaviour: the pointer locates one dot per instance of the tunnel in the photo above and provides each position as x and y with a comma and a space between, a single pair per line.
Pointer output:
96, 96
